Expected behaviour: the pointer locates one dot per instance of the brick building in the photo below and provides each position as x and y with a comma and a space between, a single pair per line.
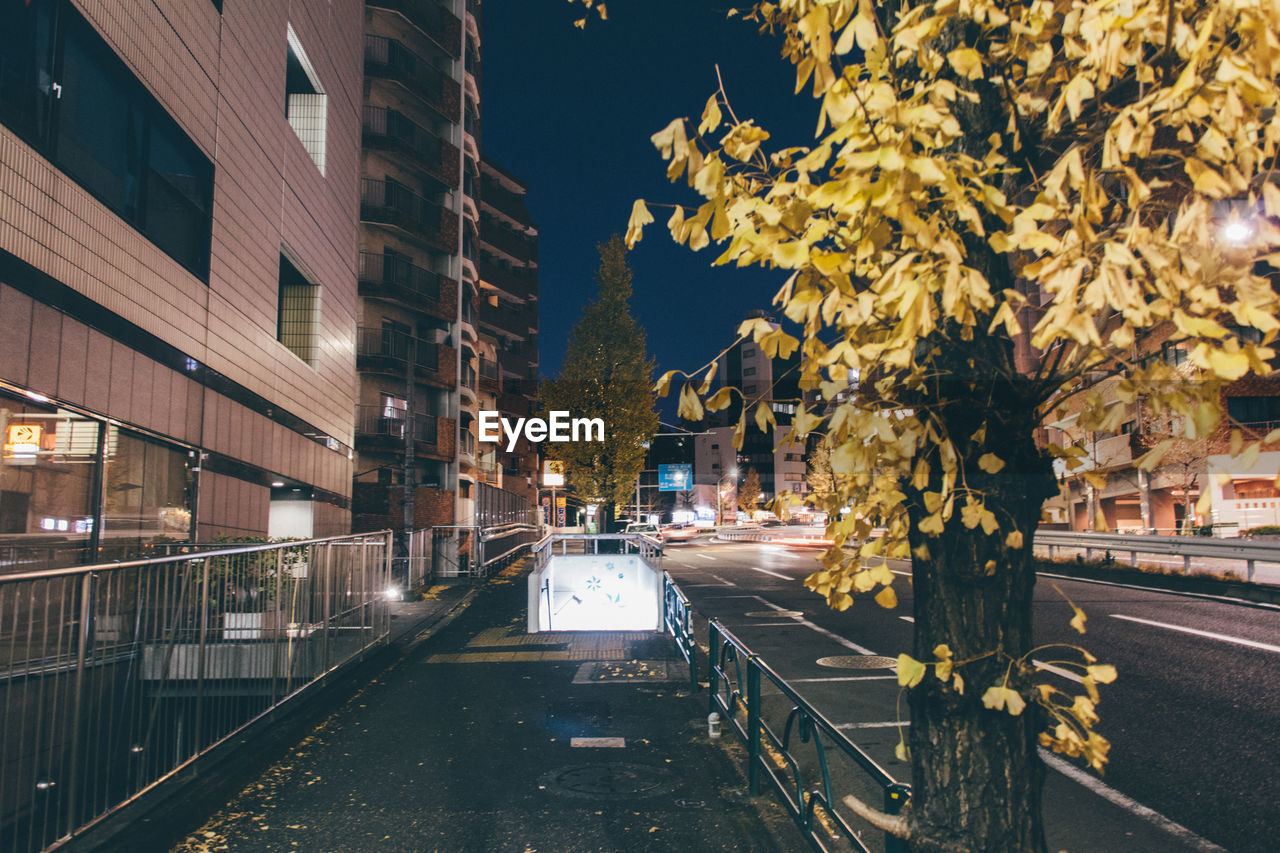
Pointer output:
177, 272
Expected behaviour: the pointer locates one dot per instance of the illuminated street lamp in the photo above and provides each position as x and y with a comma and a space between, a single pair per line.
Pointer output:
720, 493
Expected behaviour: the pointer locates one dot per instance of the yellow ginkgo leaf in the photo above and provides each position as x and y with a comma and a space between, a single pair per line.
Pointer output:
1004, 698
967, 62
990, 463
887, 598
910, 671
640, 217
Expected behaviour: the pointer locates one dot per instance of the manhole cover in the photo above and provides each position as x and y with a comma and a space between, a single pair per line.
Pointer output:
858, 662
780, 614
613, 780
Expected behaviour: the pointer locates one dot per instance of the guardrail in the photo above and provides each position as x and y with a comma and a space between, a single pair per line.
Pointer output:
1186, 547
677, 616
803, 784
114, 677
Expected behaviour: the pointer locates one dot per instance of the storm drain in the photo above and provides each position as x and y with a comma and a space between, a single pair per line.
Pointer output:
771, 614
610, 780
858, 662
606, 672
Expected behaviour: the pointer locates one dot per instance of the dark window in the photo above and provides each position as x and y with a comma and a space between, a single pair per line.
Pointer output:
748, 371
96, 122
1254, 410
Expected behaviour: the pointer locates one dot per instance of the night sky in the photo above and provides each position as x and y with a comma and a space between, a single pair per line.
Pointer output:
571, 112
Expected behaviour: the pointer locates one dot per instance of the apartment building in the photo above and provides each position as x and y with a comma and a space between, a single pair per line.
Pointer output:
415, 348
177, 273
507, 317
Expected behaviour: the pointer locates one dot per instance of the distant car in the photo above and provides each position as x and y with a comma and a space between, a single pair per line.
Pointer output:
641, 527
678, 531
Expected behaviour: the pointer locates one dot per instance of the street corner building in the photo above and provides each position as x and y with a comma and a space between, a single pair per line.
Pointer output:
178, 273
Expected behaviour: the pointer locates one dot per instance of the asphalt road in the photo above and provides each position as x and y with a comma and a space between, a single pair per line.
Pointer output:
1193, 718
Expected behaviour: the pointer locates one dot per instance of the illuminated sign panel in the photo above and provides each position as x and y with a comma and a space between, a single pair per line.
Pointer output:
22, 440
675, 478
552, 473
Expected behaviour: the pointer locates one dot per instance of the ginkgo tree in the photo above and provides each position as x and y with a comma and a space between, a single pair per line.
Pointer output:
1001, 203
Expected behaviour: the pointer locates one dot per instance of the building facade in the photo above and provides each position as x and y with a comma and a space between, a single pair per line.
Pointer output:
417, 282
177, 273
507, 316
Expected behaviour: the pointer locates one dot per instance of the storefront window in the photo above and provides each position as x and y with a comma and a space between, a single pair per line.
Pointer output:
47, 476
147, 491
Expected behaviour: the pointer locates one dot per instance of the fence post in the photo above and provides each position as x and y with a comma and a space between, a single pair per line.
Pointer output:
693, 647
713, 656
77, 708
753, 726
895, 797
200, 654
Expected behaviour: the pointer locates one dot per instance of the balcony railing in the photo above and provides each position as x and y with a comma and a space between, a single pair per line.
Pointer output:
388, 127
409, 283
431, 18
522, 247
377, 422
373, 343
468, 376
392, 203
489, 369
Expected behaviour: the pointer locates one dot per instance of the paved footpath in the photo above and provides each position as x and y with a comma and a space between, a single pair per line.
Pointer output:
468, 744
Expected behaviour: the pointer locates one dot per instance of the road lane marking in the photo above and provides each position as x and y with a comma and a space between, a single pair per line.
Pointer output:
889, 725
1240, 641
774, 574
907, 618
842, 678
723, 581
848, 644
599, 742
1057, 670
706, 557
1135, 808
793, 624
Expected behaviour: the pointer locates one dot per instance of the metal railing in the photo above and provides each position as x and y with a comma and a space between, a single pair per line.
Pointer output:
464, 550
114, 677
382, 269
1187, 547
773, 736
677, 616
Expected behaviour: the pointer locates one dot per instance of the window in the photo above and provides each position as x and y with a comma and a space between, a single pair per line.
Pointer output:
99, 125
748, 371
1175, 354
297, 312
394, 407
750, 389
1254, 410
748, 352
148, 494
306, 104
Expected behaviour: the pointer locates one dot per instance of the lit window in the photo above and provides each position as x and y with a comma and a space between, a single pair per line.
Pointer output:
306, 104
298, 312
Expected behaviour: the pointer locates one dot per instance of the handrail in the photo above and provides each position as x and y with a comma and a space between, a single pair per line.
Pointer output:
1186, 547
732, 668
70, 571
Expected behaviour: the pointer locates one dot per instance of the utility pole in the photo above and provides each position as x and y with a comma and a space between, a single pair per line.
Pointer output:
410, 432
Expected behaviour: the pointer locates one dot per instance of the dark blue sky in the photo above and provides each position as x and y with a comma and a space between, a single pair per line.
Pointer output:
571, 112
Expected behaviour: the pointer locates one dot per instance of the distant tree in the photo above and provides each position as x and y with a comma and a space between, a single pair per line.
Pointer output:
606, 374
819, 476
1002, 203
749, 491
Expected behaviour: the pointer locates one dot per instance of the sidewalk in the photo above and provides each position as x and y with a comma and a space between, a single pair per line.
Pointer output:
484, 738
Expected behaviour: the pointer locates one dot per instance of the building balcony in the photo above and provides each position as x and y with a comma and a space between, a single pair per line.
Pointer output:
387, 351
489, 378
382, 430
436, 22
518, 282
388, 59
393, 205
395, 278
514, 322
518, 247
506, 202
388, 130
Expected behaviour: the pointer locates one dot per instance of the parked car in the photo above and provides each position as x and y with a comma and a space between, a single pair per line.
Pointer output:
641, 527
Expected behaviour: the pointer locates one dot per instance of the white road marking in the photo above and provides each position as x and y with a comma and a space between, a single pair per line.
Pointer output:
890, 725
1135, 808
774, 574
1057, 670
1239, 641
599, 742
792, 624
843, 678
848, 644
706, 557
907, 618
723, 581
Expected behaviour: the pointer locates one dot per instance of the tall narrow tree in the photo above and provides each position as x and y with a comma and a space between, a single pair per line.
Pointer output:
606, 374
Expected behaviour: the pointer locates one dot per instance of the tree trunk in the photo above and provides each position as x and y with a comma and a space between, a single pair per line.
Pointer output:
976, 773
